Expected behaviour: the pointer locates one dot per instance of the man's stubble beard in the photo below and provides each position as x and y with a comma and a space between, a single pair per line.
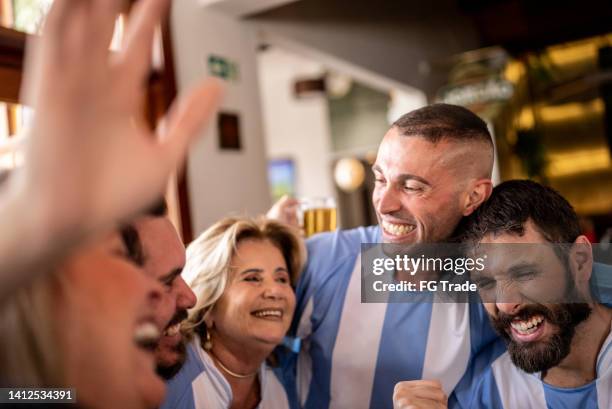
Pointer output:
540, 356
168, 372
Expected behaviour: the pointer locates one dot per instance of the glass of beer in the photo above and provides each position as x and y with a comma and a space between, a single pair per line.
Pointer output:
318, 215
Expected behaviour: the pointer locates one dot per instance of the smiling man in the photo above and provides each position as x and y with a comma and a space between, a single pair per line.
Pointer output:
536, 291
153, 242
433, 167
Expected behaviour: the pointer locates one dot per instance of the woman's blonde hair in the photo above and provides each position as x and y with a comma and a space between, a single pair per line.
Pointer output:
209, 257
29, 352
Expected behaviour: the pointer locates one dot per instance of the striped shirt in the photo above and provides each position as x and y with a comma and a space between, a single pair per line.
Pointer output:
200, 385
353, 354
505, 386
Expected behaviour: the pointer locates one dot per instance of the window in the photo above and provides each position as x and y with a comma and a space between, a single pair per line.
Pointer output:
28, 15
13, 121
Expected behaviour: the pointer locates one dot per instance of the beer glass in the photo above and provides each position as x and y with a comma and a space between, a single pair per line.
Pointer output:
318, 215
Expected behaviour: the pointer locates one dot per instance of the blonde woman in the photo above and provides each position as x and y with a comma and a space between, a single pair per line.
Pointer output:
86, 325
241, 271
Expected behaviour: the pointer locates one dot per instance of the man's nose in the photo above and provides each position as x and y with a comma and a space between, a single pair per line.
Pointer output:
508, 295
388, 200
185, 298
508, 308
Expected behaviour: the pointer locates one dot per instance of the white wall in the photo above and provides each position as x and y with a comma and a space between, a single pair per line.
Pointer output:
296, 128
222, 182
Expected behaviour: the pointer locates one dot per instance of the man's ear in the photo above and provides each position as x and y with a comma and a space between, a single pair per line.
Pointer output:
581, 260
478, 191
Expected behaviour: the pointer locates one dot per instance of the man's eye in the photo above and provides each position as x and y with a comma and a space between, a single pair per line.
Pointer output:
121, 252
379, 181
409, 188
525, 276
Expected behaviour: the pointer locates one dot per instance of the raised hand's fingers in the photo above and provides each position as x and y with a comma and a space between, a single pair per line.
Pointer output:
33, 69
58, 18
135, 58
186, 118
103, 14
49, 54
285, 210
65, 25
289, 202
285, 205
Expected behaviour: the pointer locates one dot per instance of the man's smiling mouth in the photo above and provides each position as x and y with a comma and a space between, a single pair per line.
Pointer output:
396, 229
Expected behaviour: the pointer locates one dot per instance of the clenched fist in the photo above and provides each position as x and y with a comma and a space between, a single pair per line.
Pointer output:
419, 395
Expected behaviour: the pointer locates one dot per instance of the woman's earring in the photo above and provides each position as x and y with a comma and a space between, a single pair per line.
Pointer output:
208, 342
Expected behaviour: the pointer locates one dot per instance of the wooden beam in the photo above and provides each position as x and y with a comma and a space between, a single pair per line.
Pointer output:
12, 48
10, 79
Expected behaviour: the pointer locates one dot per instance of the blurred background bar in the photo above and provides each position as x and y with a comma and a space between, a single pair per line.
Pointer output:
313, 85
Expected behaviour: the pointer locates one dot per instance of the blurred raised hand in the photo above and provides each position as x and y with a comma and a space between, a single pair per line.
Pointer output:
91, 160
285, 210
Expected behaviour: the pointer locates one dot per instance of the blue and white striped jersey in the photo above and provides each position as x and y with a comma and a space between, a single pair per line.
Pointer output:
353, 354
505, 386
200, 385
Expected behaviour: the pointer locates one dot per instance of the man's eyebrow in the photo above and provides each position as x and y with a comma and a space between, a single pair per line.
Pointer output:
407, 176
168, 278
403, 176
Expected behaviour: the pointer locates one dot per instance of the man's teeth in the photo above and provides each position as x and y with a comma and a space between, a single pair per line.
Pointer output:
146, 334
397, 229
268, 313
528, 326
173, 330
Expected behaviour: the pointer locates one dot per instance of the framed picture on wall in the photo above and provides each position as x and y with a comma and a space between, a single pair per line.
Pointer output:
230, 137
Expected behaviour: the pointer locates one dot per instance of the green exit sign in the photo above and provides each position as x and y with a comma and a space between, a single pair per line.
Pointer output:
223, 68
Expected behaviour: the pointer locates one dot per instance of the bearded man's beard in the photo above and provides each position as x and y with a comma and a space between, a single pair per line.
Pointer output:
542, 355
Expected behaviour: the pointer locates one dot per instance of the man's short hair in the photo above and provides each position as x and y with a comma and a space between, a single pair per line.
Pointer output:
440, 121
514, 202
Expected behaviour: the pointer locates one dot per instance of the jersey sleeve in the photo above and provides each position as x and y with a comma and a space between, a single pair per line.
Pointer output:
486, 347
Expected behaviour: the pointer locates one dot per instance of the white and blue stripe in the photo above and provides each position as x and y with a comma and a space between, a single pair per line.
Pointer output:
200, 385
353, 354
505, 386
